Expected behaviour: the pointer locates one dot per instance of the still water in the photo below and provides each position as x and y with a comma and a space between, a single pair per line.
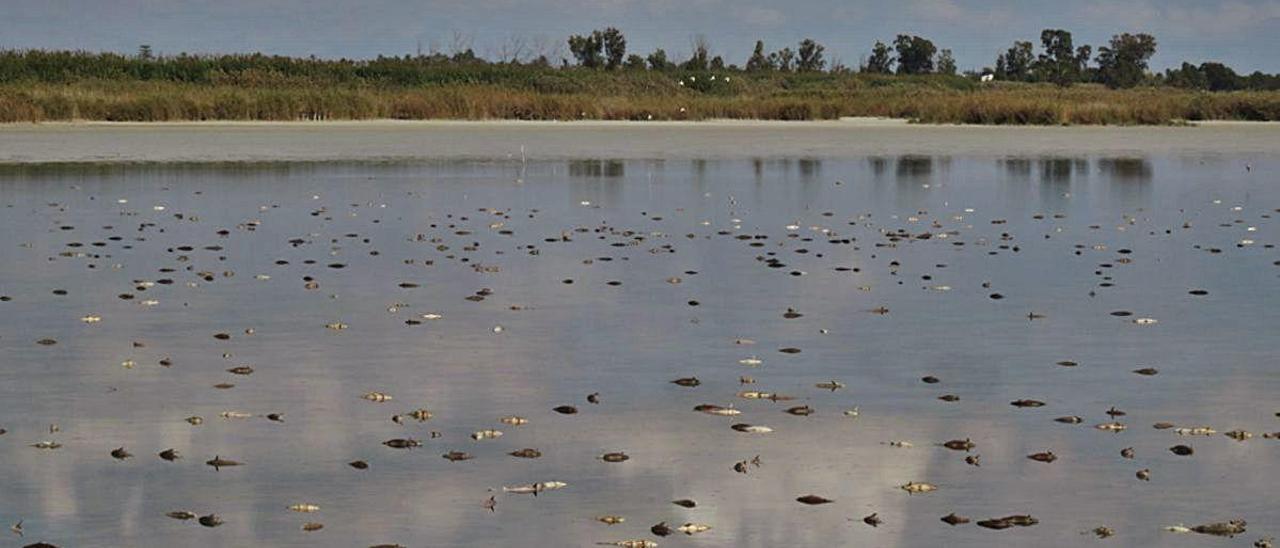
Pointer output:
706, 255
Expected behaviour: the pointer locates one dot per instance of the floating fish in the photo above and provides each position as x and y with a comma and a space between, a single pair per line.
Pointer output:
211, 520
514, 420
526, 453
218, 462
486, 435
402, 443
455, 456
615, 457
953, 520
813, 500
304, 507
913, 487
235, 415
693, 528
611, 520
717, 410
181, 514
752, 428
832, 385
377, 397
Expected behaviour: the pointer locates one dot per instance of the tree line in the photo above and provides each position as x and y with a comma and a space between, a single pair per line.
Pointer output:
1121, 63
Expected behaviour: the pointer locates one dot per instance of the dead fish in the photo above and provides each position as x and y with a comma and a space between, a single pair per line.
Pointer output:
235, 415
211, 520
241, 370
535, 488
1195, 431
486, 435
693, 528
566, 409
1144, 474
1071, 419
195, 421
740, 467
792, 314
1102, 532
377, 397
526, 453
1222, 529
1182, 450
900, 444
831, 385
637, 543
1238, 435
751, 428
1068, 363
304, 507
491, 504
960, 445
311, 526
514, 420
1045, 456
1027, 403
751, 361
1111, 427
1178, 528
181, 514
873, 520
275, 417
218, 462
1147, 371
420, 415
789, 350
46, 445
1264, 543
930, 379
455, 456
952, 519
1113, 412
814, 500
801, 411
949, 398
402, 443
853, 413
1021, 520
611, 520
995, 523
358, 465
687, 381
913, 487
686, 503
615, 457
120, 454
593, 398
1127, 452
973, 460
660, 529
336, 326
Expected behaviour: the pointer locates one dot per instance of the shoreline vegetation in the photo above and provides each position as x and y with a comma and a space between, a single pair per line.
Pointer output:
909, 80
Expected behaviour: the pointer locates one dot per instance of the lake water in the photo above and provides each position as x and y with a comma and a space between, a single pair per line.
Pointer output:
1065, 240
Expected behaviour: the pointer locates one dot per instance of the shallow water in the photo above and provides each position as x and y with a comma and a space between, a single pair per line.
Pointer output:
96, 231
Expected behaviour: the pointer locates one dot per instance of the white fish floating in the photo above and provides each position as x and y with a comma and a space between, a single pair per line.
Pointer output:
852, 413
535, 488
336, 326
751, 361
902, 444
1195, 431
514, 420
1111, 426
693, 528
486, 435
377, 397
149, 302
913, 487
431, 316
711, 409
637, 543
752, 428
91, 319
304, 507
754, 395
1179, 528
1146, 321
234, 415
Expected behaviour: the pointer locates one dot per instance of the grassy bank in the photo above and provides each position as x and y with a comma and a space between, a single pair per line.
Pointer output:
576, 95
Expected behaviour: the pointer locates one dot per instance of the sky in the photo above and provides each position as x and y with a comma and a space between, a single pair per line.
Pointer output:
1241, 33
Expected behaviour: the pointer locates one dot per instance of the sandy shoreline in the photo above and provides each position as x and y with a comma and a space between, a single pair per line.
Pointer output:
390, 140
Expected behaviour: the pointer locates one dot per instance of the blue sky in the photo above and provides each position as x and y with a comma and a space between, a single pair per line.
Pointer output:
1241, 33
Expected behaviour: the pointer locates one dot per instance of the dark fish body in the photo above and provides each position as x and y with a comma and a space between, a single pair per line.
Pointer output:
1026, 403
211, 520
170, 455
181, 514
801, 411
960, 445
953, 520
1071, 419
218, 462
566, 409
402, 443
684, 503
687, 381
455, 456
1046, 456
660, 529
358, 465
526, 453
813, 499
1182, 450
614, 457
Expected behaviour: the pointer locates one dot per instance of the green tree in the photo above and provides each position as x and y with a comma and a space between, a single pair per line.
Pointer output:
1016, 62
700, 58
758, 61
1123, 63
946, 63
658, 60
782, 59
1058, 63
1219, 77
915, 54
615, 47
634, 62
881, 60
144, 52
810, 56
588, 49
